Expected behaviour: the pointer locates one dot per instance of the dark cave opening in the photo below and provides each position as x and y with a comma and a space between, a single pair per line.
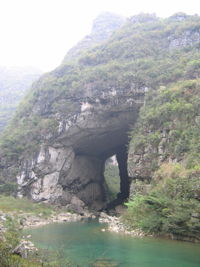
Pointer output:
90, 169
91, 154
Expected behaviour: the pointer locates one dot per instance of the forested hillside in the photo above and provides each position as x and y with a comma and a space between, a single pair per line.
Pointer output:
14, 83
149, 69
164, 158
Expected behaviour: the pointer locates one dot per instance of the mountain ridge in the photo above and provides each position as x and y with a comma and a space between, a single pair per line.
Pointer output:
14, 83
136, 85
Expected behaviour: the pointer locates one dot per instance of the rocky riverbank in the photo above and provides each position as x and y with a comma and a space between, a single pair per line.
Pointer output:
117, 226
35, 221
114, 223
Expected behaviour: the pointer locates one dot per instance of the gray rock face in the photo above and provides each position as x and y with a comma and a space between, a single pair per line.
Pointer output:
25, 249
188, 38
105, 24
69, 168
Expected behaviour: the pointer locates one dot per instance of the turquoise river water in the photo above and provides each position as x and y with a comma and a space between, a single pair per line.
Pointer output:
85, 245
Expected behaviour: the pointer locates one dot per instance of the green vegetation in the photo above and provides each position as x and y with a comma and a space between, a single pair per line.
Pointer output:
172, 206
112, 180
8, 242
12, 212
170, 118
42, 258
169, 127
8, 188
10, 204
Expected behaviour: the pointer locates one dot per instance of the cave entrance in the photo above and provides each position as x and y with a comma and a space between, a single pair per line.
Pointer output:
112, 178
117, 178
91, 153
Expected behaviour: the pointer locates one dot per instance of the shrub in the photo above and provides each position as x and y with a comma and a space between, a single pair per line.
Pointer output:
172, 206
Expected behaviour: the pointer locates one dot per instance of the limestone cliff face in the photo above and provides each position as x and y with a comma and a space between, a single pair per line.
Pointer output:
69, 166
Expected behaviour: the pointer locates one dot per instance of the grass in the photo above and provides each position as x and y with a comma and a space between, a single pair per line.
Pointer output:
16, 205
13, 208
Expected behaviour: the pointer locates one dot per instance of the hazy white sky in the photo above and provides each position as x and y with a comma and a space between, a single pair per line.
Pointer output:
39, 32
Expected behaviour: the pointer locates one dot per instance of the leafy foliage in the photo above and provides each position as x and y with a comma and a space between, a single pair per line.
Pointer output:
112, 180
168, 131
13, 211
8, 188
170, 119
172, 206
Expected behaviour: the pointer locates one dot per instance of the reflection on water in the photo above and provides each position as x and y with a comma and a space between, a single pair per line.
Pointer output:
85, 245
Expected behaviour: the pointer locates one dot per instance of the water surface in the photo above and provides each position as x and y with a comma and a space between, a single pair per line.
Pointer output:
85, 245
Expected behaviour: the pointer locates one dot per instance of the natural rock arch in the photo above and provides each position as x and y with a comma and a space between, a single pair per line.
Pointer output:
70, 169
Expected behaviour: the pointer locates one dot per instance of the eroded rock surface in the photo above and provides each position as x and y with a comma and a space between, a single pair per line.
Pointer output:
69, 168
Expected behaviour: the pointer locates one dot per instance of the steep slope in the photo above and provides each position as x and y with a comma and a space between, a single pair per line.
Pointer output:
81, 113
103, 27
14, 83
164, 158
167, 129
165, 150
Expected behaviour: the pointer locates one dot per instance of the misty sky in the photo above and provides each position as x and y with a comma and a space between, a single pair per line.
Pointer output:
39, 32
